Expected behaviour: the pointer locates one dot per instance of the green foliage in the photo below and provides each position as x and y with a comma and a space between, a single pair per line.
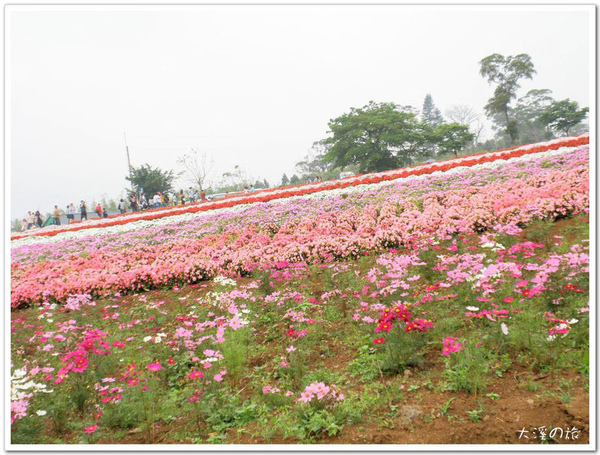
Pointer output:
453, 137
151, 180
467, 370
367, 364
28, 432
430, 113
314, 424
235, 351
377, 137
527, 114
563, 115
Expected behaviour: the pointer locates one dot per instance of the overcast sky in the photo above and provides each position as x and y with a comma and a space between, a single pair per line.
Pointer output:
251, 85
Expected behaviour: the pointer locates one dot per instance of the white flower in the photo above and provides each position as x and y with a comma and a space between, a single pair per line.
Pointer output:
504, 328
573, 321
19, 373
41, 412
148, 338
472, 308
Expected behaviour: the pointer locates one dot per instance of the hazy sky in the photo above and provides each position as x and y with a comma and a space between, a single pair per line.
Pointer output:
250, 85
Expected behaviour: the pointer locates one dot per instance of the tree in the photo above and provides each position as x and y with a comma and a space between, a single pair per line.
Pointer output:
505, 72
16, 225
453, 137
294, 180
236, 180
376, 137
284, 180
563, 115
266, 183
151, 180
197, 167
527, 114
313, 162
466, 115
430, 113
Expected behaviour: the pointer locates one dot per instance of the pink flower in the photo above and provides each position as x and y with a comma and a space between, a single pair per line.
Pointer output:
450, 345
154, 366
195, 374
91, 429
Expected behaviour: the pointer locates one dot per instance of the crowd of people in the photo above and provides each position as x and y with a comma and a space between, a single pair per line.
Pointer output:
135, 203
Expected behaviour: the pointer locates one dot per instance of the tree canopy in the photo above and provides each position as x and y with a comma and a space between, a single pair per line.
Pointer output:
151, 180
563, 115
453, 137
376, 137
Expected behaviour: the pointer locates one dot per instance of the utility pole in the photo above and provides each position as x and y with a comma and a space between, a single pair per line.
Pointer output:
128, 160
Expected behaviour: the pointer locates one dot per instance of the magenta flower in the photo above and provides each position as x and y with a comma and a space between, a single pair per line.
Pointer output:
450, 345
195, 374
154, 366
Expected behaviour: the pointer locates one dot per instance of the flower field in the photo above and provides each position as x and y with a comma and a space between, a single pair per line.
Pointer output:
428, 305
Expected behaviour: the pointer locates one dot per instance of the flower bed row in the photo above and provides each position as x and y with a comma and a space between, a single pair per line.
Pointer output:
300, 190
322, 236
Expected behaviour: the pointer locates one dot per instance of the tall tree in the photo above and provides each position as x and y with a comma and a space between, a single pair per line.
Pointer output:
151, 180
266, 183
198, 166
430, 113
285, 181
563, 115
376, 137
294, 180
505, 72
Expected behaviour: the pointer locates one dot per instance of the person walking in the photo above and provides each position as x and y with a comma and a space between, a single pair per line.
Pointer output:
83, 210
121, 206
56, 215
182, 197
202, 196
99, 210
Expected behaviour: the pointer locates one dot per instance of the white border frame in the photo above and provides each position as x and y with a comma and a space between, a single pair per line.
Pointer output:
8, 446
